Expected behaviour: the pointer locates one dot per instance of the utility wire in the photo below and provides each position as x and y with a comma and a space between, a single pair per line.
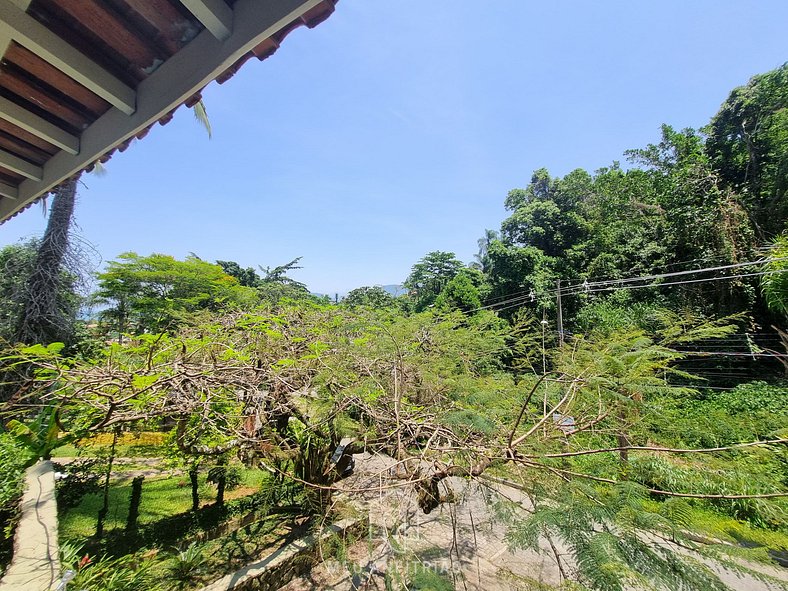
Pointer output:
729, 354
669, 265
516, 301
617, 282
687, 282
586, 287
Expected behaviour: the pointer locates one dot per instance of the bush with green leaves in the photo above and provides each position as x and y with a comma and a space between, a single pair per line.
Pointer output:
81, 477
233, 476
124, 573
14, 458
426, 579
752, 411
187, 565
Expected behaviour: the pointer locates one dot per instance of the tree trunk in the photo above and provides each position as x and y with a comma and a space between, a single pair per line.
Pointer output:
193, 471
102, 514
134, 503
43, 320
221, 483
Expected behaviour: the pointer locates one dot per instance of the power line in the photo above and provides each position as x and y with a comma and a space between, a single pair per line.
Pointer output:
729, 354
687, 282
586, 284
516, 301
532, 295
676, 264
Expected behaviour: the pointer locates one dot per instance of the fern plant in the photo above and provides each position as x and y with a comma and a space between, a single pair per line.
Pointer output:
617, 541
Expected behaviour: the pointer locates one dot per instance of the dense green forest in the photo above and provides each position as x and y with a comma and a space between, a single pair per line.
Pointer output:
616, 348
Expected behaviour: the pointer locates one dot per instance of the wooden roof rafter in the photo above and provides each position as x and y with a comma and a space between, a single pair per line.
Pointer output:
70, 95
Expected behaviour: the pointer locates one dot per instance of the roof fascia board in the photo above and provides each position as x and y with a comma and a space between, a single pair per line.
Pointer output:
27, 31
215, 16
177, 79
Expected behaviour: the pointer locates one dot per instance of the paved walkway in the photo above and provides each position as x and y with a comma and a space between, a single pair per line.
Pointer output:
463, 540
36, 564
144, 466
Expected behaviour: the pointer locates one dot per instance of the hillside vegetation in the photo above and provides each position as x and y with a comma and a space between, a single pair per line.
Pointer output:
616, 350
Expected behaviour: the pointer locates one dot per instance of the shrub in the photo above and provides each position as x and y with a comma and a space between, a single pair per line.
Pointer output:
233, 476
13, 458
82, 478
187, 565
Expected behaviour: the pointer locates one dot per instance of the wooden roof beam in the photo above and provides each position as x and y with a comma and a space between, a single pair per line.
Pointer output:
30, 33
5, 38
215, 16
39, 127
20, 166
8, 192
176, 80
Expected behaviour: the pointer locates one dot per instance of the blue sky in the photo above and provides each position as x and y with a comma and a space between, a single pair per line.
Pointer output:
396, 128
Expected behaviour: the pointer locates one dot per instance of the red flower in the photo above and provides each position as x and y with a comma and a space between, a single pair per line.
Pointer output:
85, 561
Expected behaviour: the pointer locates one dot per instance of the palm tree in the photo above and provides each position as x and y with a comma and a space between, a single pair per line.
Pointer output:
482, 258
44, 318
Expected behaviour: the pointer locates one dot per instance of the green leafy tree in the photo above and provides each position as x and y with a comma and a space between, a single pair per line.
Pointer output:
704, 221
547, 214
482, 261
276, 285
748, 145
628, 225
372, 296
429, 276
152, 293
521, 272
247, 277
464, 292
775, 282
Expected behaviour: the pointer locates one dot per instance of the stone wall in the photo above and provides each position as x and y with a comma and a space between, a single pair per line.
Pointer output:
279, 567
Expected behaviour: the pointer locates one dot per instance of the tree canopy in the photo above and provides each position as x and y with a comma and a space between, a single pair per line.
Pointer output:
151, 293
616, 352
429, 276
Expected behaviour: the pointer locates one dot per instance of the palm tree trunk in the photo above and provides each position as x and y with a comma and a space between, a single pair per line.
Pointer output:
43, 320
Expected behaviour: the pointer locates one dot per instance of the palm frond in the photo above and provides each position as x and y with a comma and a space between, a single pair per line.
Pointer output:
201, 114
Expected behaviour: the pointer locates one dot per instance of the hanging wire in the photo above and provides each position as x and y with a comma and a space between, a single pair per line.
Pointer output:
687, 282
614, 284
618, 282
520, 299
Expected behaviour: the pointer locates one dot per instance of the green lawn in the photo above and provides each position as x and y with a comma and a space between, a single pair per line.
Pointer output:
70, 450
129, 445
161, 497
